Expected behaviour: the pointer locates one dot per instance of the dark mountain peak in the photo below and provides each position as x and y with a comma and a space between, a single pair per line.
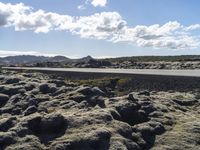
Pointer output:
87, 58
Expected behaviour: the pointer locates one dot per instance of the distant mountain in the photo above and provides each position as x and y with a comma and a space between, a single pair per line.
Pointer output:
86, 59
59, 59
30, 59
22, 59
90, 62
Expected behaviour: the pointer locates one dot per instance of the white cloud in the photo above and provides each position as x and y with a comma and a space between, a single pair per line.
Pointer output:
193, 27
10, 12
98, 26
108, 26
41, 22
95, 3
25, 18
171, 35
101, 3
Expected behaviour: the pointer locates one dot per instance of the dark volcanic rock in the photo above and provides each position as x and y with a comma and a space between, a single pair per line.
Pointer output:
7, 123
41, 111
47, 88
146, 93
185, 102
58, 83
44, 88
11, 90
48, 127
3, 99
11, 80
130, 113
6, 138
30, 110
29, 86
88, 91
96, 140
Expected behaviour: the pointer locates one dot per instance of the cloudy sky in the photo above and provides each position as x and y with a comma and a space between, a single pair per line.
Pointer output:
101, 28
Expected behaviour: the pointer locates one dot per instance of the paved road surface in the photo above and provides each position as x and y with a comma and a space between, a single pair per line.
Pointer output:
181, 73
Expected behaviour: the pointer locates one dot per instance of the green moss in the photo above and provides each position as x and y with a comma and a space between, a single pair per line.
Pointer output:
50, 110
136, 137
100, 82
182, 96
119, 85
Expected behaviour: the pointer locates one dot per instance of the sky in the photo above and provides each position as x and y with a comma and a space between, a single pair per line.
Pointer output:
100, 28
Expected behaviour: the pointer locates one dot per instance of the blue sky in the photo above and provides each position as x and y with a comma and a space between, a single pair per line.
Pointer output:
137, 27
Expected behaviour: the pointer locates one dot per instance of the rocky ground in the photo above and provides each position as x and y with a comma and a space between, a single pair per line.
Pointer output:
134, 62
41, 112
150, 62
178, 65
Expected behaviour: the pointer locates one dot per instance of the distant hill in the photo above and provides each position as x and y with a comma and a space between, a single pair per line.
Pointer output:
59, 59
86, 59
134, 62
30, 59
85, 62
24, 59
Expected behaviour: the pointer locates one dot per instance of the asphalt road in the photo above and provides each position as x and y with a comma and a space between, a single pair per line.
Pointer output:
181, 73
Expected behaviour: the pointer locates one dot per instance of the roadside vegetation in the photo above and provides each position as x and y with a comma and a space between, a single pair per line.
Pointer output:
116, 85
156, 58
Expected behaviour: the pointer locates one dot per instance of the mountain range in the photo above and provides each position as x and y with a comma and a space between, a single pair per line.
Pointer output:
31, 59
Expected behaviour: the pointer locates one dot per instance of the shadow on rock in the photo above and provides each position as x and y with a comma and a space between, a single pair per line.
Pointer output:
48, 128
95, 140
130, 114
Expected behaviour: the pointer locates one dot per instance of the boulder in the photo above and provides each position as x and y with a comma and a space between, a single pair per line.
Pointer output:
88, 91
7, 123
11, 80
15, 98
47, 88
130, 113
186, 102
6, 138
3, 99
30, 110
44, 88
29, 86
145, 93
58, 83
48, 127
95, 140
10, 90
